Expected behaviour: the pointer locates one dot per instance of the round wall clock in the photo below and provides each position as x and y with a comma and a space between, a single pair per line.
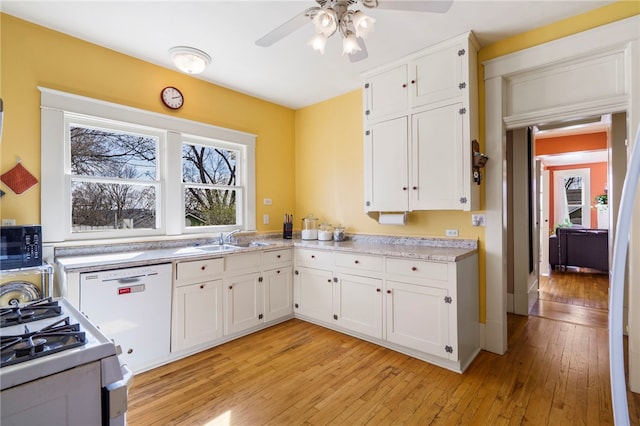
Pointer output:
172, 97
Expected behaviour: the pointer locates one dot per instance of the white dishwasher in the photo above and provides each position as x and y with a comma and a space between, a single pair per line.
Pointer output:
132, 306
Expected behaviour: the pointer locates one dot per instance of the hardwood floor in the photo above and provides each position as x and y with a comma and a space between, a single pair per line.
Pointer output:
296, 373
579, 296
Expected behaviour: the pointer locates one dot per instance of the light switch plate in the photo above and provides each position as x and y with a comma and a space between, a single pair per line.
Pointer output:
267, 201
265, 219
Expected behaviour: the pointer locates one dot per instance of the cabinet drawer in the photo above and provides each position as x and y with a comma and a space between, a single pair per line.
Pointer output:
418, 268
314, 258
277, 256
199, 269
359, 261
238, 262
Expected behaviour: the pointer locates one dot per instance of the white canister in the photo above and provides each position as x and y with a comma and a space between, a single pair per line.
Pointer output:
325, 233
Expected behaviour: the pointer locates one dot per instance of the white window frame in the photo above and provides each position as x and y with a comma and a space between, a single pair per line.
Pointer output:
55, 187
585, 173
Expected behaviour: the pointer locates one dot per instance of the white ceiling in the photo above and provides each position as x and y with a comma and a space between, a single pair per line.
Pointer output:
289, 72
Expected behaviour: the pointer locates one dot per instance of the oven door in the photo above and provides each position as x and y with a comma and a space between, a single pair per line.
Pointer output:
114, 399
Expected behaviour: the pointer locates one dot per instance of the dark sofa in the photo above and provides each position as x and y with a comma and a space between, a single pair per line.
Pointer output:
580, 247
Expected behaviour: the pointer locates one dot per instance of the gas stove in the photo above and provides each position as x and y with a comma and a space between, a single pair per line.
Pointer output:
46, 337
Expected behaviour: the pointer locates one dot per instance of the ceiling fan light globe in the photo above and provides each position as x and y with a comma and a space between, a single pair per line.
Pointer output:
362, 23
349, 44
318, 42
326, 22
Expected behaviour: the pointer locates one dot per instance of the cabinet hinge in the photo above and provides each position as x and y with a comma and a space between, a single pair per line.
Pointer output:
461, 52
463, 200
462, 85
366, 85
260, 316
448, 349
260, 279
368, 132
297, 273
296, 306
335, 317
448, 299
368, 203
462, 111
367, 112
335, 279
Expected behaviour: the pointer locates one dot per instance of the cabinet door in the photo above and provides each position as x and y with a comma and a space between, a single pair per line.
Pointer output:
386, 166
278, 293
437, 175
243, 302
358, 304
437, 76
197, 314
386, 94
314, 293
418, 318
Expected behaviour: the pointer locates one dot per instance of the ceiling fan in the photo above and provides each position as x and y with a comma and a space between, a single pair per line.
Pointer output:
331, 16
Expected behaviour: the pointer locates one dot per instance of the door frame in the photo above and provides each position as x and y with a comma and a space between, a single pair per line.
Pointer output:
621, 36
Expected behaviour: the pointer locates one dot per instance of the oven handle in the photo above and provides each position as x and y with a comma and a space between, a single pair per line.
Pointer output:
115, 397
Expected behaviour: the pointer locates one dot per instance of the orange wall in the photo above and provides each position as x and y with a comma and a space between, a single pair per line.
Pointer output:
571, 143
598, 181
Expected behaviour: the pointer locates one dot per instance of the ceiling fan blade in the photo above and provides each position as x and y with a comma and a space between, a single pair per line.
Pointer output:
434, 6
360, 54
285, 29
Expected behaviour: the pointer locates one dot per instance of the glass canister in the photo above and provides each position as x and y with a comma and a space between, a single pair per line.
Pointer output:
325, 232
310, 228
338, 233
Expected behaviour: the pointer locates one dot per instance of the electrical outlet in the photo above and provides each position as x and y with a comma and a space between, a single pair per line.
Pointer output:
451, 232
8, 222
267, 201
478, 220
265, 218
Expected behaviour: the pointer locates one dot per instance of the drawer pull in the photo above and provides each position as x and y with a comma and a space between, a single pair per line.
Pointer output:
201, 285
230, 287
357, 262
329, 280
277, 272
313, 256
388, 291
203, 267
413, 268
278, 256
378, 290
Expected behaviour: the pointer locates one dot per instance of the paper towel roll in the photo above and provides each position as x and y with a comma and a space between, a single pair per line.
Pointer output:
392, 219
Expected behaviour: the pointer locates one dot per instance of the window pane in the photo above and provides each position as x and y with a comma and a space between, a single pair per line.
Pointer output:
573, 186
205, 164
108, 206
112, 153
208, 207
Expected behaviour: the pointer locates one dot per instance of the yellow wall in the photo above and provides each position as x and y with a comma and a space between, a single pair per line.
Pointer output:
33, 56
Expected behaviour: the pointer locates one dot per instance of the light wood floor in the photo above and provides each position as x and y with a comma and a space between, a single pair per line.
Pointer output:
579, 296
296, 373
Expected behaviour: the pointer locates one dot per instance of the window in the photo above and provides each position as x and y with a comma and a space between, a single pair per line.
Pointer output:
572, 189
113, 175
211, 185
110, 171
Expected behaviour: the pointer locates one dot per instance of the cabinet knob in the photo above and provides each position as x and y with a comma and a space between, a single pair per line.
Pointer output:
404, 188
388, 291
413, 82
357, 262
404, 85
329, 280
378, 290
277, 272
230, 287
201, 285
415, 188
413, 268
203, 267
312, 256
278, 256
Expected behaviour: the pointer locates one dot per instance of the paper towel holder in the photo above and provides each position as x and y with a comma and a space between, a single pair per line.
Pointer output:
479, 161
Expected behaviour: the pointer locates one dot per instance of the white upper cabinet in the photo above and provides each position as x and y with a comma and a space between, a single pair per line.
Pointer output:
420, 118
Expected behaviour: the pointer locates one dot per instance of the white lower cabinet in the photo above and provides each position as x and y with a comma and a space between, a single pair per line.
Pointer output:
426, 309
197, 314
278, 293
243, 302
418, 318
313, 290
358, 304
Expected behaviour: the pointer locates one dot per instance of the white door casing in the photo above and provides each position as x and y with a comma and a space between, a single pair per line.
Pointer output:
609, 54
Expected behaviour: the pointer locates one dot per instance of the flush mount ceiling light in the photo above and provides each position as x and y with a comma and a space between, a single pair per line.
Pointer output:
331, 16
189, 60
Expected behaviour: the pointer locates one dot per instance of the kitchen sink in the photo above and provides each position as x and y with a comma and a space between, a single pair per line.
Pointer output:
251, 244
217, 247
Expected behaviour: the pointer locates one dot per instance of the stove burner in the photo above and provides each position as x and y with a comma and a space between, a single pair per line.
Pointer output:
34, 311
54, 338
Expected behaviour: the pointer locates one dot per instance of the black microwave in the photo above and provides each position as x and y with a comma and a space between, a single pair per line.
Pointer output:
20, 246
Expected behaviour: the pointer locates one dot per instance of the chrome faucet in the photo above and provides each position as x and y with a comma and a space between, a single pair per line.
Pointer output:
226, 238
